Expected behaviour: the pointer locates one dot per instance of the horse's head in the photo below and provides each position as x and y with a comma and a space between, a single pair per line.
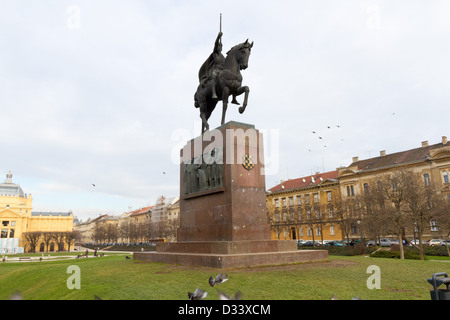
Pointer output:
241, 53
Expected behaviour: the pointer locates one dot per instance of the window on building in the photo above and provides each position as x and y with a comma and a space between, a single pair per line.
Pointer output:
309, 232
5, 223
328, 195
317, 213
445, 176
307, 199
332, 230
350, 191
366, 188
299, 200
276, 202
291, 201
308, 214
284, 201
394, 185
300, 230
426, 179
11, 233
285, 232
4, 233
434, 225
316, 197
299, 214
284, 216
330, 212
277, 217
13, 223
318, 231
354, 229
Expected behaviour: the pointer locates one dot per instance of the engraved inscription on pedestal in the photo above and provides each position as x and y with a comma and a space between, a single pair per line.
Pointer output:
204, 173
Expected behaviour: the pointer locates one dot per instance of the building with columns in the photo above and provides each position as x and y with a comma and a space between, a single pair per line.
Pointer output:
17, 219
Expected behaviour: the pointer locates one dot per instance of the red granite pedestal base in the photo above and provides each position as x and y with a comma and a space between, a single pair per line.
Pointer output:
231, 254
223, 218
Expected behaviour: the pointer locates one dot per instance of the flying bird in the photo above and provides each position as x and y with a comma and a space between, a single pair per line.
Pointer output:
198, 294
314, 132
320, 137
93, 184
223, 296
221, 277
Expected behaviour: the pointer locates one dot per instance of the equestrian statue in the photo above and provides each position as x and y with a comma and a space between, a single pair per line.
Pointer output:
220, 77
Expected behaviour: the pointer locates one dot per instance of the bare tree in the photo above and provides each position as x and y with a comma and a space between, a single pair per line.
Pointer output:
111, 232
59, 239
393, 188
423, 200
375, 206
70, 238
32, 239
47, 237
124, 231
99, 232
345, 216
442, 219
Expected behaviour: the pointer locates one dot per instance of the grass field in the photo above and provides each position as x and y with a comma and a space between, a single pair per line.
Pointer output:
117, 278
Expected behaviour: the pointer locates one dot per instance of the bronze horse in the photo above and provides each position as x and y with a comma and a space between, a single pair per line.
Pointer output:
228, 83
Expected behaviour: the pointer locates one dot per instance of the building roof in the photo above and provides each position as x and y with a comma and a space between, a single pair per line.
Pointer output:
10, 189
141, 211
423, 153
306, 182
64, 214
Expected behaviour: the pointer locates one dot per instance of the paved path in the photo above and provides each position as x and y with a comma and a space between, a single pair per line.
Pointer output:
46, 257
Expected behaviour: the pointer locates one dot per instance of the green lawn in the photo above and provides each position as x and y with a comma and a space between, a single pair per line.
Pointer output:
114, 277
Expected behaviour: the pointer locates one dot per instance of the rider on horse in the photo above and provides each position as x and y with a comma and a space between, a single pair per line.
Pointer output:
212, 67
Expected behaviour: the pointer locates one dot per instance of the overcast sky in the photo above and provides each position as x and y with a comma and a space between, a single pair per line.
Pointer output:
98, 92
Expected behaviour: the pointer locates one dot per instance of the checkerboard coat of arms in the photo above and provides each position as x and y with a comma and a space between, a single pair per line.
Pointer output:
247, 162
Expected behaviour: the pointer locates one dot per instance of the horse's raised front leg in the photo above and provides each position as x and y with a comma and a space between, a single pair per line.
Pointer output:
205, 125
225, 95
244, 104
204, 117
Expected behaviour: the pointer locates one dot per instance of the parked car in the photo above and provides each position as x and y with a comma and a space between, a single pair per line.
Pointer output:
334, 243
435, 242
446, 242
310, 243
370, 243
385, 242
307, 244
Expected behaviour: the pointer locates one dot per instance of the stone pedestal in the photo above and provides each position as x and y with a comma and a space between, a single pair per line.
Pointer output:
223, 215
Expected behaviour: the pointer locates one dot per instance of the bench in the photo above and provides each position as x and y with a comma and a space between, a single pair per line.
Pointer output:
24, 258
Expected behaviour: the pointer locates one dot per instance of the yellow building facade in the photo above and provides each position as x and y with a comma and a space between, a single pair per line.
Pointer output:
305, 208
430, 161
17, 219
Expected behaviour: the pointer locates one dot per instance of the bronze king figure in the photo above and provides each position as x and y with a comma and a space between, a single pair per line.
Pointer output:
219, 77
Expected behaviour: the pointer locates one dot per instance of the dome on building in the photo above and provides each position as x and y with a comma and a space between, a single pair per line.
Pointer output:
10, 189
